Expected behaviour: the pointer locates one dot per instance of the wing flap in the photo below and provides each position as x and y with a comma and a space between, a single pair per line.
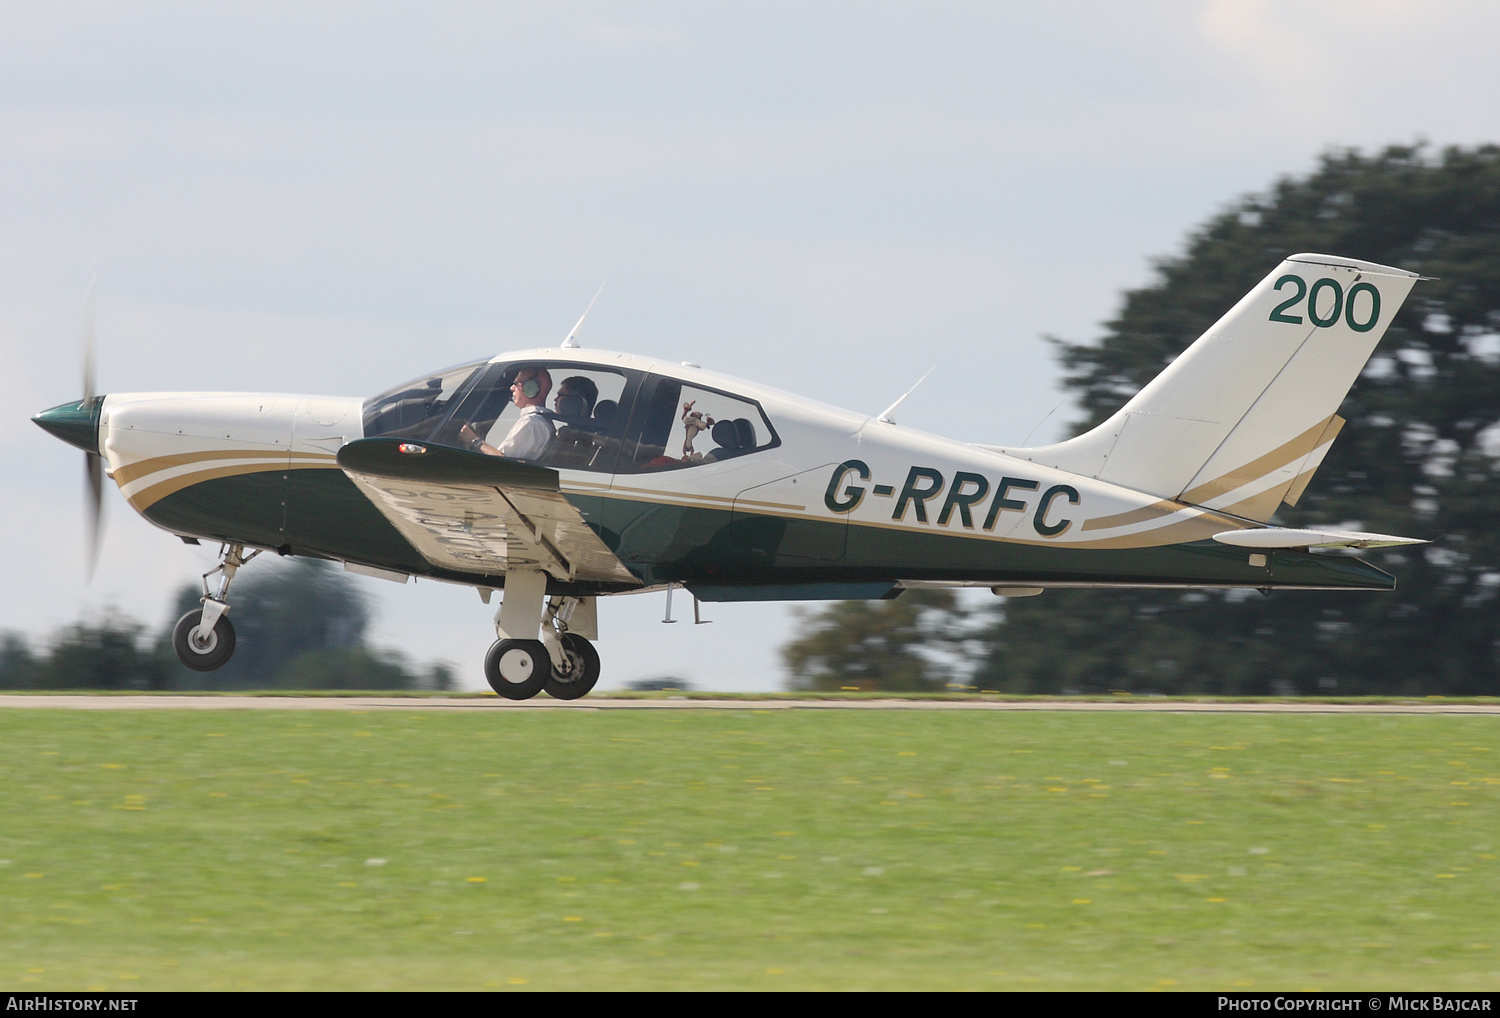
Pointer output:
479, 514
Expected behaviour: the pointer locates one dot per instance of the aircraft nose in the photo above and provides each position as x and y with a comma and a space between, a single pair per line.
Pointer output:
76, 423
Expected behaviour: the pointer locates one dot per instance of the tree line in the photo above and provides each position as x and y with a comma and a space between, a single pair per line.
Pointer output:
300, 624
1419, 456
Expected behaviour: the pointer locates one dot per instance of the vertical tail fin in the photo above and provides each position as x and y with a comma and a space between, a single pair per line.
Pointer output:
1241, 420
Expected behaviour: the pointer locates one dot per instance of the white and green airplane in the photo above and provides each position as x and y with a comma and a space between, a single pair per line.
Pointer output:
564, 475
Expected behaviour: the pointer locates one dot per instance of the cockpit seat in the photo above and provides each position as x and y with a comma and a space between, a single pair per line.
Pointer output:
727, 436
746, 432
572, 448
601, 423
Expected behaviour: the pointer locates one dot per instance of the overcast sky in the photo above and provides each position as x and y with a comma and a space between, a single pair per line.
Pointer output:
827, 197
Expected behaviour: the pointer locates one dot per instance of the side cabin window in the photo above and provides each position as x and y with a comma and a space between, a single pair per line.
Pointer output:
581, 416
677, 425
574, 420
580, 405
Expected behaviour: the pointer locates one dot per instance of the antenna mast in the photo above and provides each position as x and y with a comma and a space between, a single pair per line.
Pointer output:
571, 341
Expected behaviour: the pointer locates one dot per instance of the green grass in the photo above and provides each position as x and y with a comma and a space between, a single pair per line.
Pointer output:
171, 849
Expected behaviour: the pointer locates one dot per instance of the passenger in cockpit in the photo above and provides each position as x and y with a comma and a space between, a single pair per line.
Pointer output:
529, 435
575, 399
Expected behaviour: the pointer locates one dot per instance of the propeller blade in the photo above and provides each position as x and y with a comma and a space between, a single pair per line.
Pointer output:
93, 468
93, 464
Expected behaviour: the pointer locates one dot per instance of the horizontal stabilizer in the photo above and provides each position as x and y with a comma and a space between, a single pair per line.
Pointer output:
1279, 537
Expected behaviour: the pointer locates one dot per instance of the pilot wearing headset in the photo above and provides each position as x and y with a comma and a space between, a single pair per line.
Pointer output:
529, 435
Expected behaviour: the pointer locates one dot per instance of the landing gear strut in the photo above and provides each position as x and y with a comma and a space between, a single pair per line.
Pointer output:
204, 637
563, 661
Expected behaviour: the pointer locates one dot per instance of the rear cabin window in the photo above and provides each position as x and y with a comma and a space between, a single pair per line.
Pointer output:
678, 425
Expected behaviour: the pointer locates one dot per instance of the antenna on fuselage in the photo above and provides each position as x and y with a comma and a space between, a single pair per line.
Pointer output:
886, 416
571, 342
1039, 423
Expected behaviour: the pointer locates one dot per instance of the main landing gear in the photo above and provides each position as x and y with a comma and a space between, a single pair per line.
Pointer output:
204, 637
563, 662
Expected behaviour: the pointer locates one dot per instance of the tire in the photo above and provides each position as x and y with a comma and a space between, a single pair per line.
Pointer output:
517, 669
205, 655
584, 674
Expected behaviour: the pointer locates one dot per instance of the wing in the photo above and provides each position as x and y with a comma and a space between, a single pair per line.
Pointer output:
479, 514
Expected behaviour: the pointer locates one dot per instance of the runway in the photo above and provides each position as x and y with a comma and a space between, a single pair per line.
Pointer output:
159, 701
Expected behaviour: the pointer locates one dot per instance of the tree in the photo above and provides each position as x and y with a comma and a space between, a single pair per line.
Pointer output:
299, 624
889, 645
18, 665
1420, 455
112, 653
109, 655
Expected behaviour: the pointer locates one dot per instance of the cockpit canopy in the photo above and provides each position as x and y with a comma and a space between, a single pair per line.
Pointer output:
603, 418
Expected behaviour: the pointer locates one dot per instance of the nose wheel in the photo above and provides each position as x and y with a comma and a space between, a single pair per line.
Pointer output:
203, 648
204, 639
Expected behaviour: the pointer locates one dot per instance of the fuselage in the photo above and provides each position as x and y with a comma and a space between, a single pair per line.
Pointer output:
803, 501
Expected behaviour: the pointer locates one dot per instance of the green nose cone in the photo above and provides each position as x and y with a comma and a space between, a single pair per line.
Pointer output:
76, 423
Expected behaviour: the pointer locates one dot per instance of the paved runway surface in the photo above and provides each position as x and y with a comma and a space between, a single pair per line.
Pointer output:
489, 703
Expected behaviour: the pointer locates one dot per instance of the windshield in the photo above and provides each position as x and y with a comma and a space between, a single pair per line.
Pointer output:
413, 409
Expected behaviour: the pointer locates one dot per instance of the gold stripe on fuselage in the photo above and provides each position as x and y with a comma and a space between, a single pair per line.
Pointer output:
1260, 467
129, 472
699, 500
1154, 511
270, 460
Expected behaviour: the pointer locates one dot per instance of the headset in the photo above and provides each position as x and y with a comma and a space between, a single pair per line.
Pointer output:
531, 388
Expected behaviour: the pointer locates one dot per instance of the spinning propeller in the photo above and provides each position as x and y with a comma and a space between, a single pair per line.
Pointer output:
77, 424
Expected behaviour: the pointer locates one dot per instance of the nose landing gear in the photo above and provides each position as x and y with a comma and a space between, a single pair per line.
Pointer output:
204, 638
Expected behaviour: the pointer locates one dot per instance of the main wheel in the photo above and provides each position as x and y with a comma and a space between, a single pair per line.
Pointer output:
583, 672
517, 669
200, 651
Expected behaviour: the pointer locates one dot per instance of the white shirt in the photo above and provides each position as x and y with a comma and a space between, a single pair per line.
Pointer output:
528, 436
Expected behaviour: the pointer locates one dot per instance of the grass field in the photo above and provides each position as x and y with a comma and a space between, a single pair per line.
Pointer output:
171, 849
